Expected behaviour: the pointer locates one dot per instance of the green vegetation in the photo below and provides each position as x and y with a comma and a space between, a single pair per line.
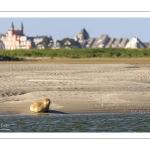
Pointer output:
72, 41
45, 41
9, 58
76, 53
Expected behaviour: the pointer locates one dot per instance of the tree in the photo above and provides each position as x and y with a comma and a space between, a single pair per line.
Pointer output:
45, 41
72, 41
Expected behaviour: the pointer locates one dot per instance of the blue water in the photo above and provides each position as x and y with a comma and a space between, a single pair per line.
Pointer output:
76, 123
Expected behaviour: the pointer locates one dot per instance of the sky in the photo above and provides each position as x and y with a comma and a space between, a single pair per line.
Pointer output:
60, 28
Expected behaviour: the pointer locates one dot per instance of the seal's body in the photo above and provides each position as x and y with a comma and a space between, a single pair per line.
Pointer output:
40, 106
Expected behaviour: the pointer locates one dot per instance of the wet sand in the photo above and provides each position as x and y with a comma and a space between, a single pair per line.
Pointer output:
76, 85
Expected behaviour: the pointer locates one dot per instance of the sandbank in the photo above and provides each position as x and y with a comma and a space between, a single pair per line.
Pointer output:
76, 85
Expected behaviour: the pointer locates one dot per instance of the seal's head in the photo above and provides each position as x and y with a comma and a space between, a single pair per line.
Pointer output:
47, 101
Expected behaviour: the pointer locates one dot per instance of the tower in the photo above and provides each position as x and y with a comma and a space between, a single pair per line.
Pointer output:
83, 35
12, 28
21, 28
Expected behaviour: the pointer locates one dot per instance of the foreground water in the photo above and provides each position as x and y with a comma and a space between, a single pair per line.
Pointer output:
76, 123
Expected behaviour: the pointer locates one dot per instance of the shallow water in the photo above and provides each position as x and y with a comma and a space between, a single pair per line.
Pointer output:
76, 123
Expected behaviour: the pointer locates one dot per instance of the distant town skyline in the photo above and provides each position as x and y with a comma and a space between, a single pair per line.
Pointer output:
60, 28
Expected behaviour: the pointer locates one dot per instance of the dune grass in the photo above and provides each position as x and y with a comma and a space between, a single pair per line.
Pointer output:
77, 53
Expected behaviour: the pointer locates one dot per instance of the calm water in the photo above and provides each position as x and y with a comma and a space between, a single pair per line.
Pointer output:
76, 123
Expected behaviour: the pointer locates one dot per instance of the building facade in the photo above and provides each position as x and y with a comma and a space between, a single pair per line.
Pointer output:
104, 41
135, 43
15, 39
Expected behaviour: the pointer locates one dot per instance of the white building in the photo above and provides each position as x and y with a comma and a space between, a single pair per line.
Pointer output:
135, 43
15, 39
38, 39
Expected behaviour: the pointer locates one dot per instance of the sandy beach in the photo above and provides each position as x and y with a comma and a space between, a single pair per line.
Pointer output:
75, 87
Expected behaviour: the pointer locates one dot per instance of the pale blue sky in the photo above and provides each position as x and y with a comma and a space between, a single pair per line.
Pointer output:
60, 28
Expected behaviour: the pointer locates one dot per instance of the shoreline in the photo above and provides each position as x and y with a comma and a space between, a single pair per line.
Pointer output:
75, 88
39, 60
88, 113
17, 110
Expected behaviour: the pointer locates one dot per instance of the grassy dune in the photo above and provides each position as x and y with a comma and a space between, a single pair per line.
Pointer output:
76, 53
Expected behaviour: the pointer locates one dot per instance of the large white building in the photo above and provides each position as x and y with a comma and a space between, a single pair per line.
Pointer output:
135, 43
15, 39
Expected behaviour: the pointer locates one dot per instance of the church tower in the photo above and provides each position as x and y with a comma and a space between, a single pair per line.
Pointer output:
21, 28
83, 35
12, 28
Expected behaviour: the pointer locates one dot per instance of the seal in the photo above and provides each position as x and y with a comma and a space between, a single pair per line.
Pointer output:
40, 106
